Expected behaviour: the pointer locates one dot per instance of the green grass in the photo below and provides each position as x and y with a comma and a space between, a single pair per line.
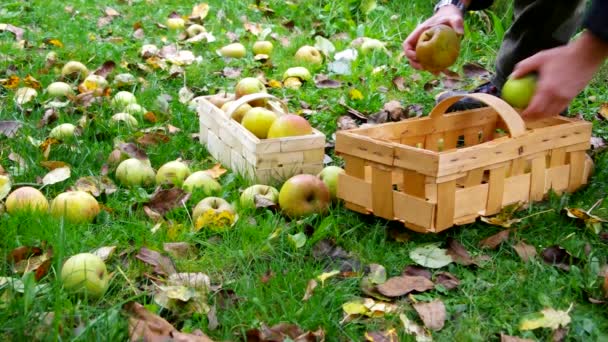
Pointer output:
490, 300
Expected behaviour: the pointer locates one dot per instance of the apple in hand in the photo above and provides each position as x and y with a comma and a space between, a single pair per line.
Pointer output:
309, 54
329, 176
173, 172
247, 198
134, 172
289, 125
214, 213
263, 47
519, 91
437, 48
250, 85
258, 121
75, 206
303, 195
85, 273
201, 180
26, 199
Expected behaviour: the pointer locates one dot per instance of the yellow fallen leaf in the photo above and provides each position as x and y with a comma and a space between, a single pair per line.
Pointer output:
216, 171
354, 308
10, 83
54, 42
275, 84
324, 276
547, 318
215, 221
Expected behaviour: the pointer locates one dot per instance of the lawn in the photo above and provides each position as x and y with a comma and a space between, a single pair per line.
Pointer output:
262, 271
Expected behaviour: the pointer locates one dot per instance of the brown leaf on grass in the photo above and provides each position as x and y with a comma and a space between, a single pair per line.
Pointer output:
162, 264
417, 271
345, 122
199, 11
327, 249
448, 280
353, 112
56, 176
264, 202
31, 82
163, 201
559, 257
109, 11
104, 21
431, 313
180, 250
399, 83
153, 139
50, 115
85, 100
382, 336
53, 164
17, 159
265, 278
138, 33
428, 86
17, 31
216, 171
133, 151
106, 68
39, 262
284, 332
592, 222
597, 144
310, 287
10, 128
472, 70
495, 240
229, 72
507, 338
104, 252
395, 110
323, 81
525, 251
460, 255
22, 253
560, 334
96, 185
402, 285
146, 326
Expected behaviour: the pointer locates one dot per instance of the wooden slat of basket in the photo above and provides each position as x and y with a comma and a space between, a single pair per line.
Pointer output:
471, 201
474, 177
354, 166
413, 210
537, 178
558, 157
414, 183
365, 147
300, 143
354, 190
557, 178
518, 166
517, 189
446, 196
382, 189
577, 167
411, 158
496, 190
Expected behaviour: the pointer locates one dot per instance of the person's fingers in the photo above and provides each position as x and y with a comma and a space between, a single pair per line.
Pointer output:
457, 24
540, 104
527, 66
411, 40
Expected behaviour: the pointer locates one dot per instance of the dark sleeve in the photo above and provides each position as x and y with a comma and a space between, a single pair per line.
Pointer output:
477, 5
596, 19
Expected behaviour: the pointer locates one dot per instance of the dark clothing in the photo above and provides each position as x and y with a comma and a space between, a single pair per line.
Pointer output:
596, 19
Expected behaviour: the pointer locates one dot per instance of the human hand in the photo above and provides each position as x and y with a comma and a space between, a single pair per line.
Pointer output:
447, 15
562, 73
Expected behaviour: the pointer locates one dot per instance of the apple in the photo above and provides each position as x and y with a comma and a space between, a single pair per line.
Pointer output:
94, 82
438, 48
201, 180
74, 69
195, 29
258, 121
135, 109
303, 195
24, 95
63, 132
250, 85
122, 99
173, 172
519, 91
309, 54
214, 213
59, 89
247, 198
292, 83
26, 199
75, 206
234, 50
176, 23
289, 125
329, 176
124, 80
238, 113
126, 118
134, 172
5, 186
85, 273
300, 72
370, 45
262, 47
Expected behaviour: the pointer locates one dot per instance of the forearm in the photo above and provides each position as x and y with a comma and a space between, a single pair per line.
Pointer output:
593, 48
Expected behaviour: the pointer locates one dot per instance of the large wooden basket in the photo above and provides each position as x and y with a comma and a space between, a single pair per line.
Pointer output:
445, 169
262, 160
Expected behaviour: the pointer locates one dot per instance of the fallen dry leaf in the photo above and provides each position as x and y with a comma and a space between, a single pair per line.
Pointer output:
323, 81
592, 222
133, 151
96, 185
473, 70
163, 201
603, 111
32, 259
56, 176
345, 122
149, 139
310, 287
460, 255
548, 318
411, 328
495, 240
507, 338
559, 257
216, 171
10, 128
525, 251
179, 249
162, 264
106, 69
53, 164
430, 255
399, 83
448, 280
402, 285
17, 31
104, 252
382, 336
283, 332
432, 314
413, 270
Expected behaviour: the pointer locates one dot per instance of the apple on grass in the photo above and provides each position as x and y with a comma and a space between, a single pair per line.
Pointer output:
74, 69
258, 121
234, 50
85, 273
59, 89
126, 119
26, 199
201, 180
135, 172
262, 47
63, 132
519, 91
173, 172
122, 99
75, 206
329, 175
247, 199
250, 85
214, 213
289, 125
303, 195
309, 54
437, 48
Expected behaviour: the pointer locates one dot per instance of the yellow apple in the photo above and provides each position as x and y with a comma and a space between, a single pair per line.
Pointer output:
135, 172
201, 180
122, 99
438, 48
75, 206
250, 85
63, 131
309, 54
234, 50
238, 114
329, 175
214, 213
247, 198
303, 195
59, 89
263, 47
176, 23
300, 72
94, 82
289, 125
74, 69
86, 274
195, 30
26, 199
258, 121
173, 172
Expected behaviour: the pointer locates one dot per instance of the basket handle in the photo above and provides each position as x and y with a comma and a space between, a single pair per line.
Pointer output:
512, 119
252, 97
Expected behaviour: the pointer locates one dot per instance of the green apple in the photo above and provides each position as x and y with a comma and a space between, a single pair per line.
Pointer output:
263, 47
437, 48
250, 85
247, 198
26, 199
75, 206
173, 172
176, 23
134, 172
124, 80
122, 99
63, 132
126, 119
519, 91
300, 72
86, 274
201, 180
370, 45
195, 29
303, 195
59, 89
289, 125
135, 109
234, 50
329, 175
309, 54
258, 121
238, 113
74, 69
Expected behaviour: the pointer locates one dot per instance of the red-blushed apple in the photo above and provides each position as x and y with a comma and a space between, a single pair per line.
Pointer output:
122, 99
329, 176
201, 180
75, 206
74, 69
263, 47
250, 85
309, 54
85, 274
59, 89
63, 132
134, 172
258, 120
289, 125
519, 91
26, 199
303, 195
214, 213
247, 198
237, 114
234, 50
173, 172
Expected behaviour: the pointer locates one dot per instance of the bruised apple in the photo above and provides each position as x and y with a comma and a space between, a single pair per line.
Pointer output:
86, 274
75, 206
247, 198
289, 125
303, 195
26, 199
